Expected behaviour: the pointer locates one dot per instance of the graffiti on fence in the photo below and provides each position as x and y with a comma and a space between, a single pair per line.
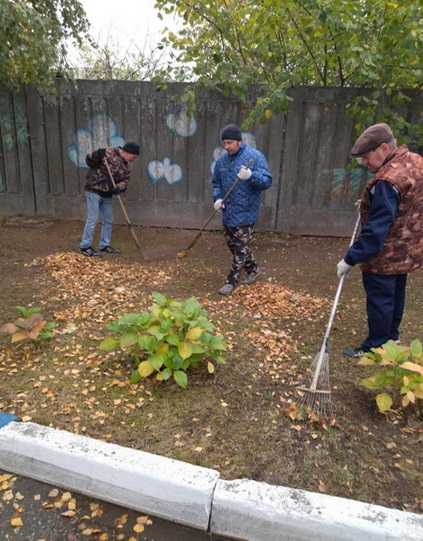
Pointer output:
182, 124
101, 132
13, 124
247, 138
170, 172
348, 183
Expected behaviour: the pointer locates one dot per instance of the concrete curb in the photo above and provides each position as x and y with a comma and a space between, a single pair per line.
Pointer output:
245, 509
192, 495
167, 488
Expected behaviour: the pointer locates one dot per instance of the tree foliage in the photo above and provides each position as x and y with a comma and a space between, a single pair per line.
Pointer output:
35, 38
112, 61
235, 44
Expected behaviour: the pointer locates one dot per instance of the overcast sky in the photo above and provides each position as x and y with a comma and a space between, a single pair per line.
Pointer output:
126, 21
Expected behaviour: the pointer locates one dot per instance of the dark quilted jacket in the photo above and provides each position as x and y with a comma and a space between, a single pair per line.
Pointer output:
403, 248
242, 206
98, 180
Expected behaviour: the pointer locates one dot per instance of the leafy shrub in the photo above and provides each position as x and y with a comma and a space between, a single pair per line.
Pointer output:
31, 325
171, 337
399, 371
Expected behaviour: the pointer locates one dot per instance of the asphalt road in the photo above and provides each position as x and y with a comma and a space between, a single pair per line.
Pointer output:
34, 511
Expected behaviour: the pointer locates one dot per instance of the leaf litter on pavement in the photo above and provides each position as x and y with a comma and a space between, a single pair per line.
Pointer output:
85, 517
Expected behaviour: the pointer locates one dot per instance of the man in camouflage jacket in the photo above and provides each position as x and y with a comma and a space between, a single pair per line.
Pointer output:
390, 244
248, 168
99, 191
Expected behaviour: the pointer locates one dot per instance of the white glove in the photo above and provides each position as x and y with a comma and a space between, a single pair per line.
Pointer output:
343, 268
244, 173
218, 204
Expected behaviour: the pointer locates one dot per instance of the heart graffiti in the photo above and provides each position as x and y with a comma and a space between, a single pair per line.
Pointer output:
183, 124
171, 172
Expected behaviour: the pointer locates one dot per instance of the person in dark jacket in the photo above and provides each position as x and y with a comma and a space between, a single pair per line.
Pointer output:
390, 244
99, 192
248, 167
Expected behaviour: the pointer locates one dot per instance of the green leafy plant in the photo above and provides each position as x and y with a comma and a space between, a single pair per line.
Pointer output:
30, 325
170, 338
399, 371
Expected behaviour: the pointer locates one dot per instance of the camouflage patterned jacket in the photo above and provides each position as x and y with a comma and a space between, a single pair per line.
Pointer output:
403, 248
98, 180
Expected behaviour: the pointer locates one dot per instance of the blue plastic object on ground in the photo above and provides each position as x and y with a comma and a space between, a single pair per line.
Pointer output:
6, 418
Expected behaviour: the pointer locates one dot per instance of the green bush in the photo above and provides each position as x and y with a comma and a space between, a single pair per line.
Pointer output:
30, 325
171, 337
399, 371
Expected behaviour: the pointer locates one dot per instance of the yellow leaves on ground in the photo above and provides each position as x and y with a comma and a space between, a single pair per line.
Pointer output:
19, 336
8, 496
69, 513
16, 522
210, 367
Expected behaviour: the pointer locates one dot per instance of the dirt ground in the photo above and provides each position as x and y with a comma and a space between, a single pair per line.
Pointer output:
236, 419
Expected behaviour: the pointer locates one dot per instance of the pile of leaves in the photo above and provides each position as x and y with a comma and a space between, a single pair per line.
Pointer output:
90, 289
269, 300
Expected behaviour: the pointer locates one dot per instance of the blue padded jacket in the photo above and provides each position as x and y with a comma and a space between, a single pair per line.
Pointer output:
242, 206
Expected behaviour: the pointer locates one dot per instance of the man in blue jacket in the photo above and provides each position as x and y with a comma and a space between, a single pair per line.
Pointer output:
248, 168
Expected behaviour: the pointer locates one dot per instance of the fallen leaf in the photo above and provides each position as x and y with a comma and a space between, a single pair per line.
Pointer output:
69, 513
16, 522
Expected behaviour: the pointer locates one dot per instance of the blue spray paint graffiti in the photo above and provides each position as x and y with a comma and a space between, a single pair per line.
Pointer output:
247, 138
182, 124
348, 183
101, 132
13, 125
157, 170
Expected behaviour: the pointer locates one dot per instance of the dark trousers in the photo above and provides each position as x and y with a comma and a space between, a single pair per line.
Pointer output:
385, 307
238, 240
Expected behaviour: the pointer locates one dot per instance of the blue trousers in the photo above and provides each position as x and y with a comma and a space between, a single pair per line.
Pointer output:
385, 307
97, 206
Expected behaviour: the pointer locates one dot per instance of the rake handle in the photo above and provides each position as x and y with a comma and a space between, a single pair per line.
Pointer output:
122, 206
323, 348
210, 218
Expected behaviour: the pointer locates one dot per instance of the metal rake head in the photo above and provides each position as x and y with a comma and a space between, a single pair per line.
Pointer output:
317, 398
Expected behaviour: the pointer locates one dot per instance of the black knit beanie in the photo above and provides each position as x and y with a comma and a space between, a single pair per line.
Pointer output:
232, 132
131, 148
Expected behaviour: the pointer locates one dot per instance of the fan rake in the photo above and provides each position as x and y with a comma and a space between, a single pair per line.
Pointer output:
317, 398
